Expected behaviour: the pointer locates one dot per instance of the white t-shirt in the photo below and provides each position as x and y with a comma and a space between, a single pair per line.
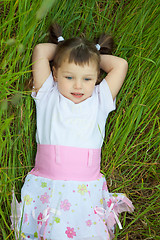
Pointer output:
62, 122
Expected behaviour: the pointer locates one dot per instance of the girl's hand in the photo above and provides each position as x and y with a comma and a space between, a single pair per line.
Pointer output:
42, 54
116, 69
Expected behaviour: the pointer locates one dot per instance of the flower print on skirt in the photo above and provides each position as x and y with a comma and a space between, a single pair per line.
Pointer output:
58, 209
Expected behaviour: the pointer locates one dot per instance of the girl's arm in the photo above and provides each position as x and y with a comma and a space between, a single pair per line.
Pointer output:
116, 69
42, 54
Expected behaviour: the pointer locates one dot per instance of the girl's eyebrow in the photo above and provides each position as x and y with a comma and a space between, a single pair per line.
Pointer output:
87, 75
66, 72
91, 75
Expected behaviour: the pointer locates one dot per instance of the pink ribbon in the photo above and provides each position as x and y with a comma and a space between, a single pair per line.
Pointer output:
46, 214
105, 213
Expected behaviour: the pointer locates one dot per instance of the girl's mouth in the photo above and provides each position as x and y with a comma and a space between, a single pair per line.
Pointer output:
77, 95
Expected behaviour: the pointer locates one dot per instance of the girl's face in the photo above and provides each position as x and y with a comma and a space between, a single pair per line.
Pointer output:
76, 82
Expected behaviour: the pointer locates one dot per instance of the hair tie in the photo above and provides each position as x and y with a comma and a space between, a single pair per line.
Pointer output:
60, 39
98, 46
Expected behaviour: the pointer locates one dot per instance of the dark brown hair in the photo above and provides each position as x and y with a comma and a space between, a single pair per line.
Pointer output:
78, 50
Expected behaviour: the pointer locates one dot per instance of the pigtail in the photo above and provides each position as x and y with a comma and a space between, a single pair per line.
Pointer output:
106, 44
55, 31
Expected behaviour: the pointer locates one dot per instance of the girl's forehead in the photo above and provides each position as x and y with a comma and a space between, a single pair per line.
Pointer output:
90, 66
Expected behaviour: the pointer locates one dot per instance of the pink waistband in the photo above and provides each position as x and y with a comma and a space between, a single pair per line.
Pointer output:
67, 163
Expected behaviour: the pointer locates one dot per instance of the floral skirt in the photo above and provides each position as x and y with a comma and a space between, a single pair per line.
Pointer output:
62, 210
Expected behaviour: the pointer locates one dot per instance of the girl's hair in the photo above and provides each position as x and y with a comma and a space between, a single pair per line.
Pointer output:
78, 50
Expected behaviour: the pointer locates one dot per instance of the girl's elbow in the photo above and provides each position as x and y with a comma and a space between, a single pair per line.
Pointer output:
124, 65
37, 52
37, 48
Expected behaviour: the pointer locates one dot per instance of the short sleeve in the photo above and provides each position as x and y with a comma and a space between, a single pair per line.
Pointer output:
44, 90
105, 97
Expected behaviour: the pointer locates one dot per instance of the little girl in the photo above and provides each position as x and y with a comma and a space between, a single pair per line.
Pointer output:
65, 196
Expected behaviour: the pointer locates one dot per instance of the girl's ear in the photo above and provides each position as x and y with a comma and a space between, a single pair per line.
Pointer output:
54, 74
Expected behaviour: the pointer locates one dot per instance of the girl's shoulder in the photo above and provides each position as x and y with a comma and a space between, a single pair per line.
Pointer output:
105, 98
45, 89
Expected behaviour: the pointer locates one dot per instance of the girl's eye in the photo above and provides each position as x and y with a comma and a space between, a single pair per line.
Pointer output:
87, 79
69, 78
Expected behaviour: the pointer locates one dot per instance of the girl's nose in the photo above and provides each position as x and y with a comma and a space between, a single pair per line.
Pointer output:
78, 84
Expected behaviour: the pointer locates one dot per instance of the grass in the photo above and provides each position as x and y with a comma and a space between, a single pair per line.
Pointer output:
130, 156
